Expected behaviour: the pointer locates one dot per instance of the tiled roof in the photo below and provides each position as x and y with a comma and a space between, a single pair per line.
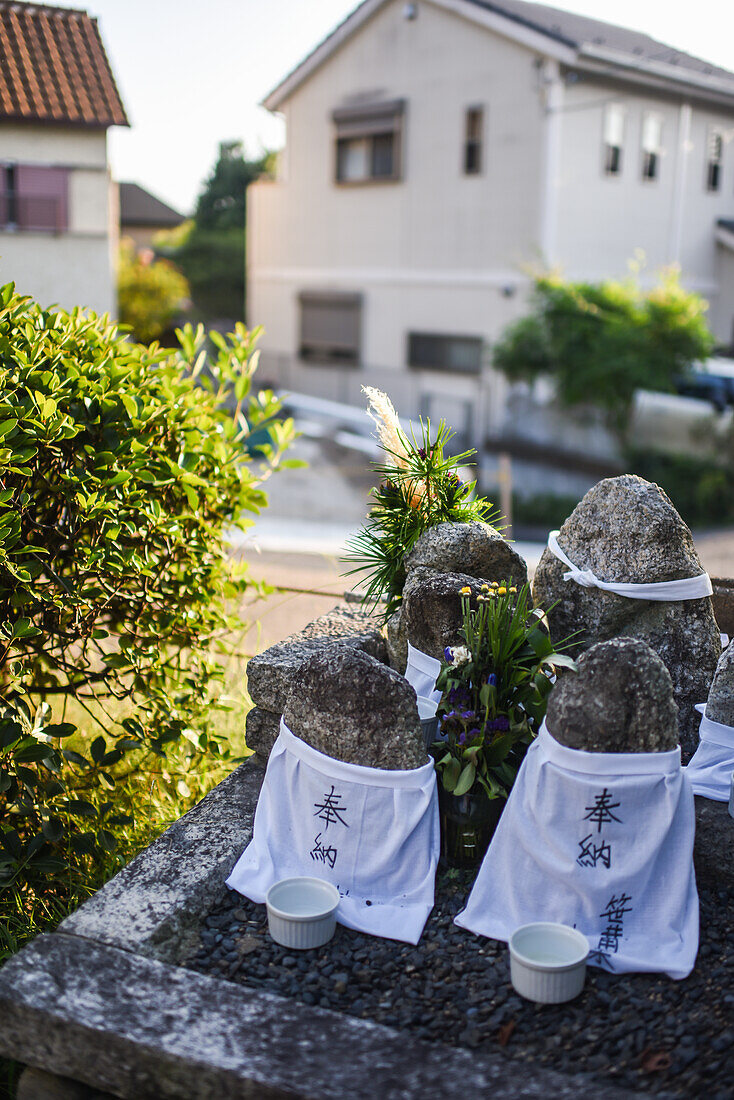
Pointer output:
580, 31
139, 207
591, 43
53, 68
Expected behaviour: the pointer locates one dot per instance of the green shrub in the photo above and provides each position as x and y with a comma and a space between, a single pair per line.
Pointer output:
213, 261
701, 490
601, 342
546, 511
121, 469
150, 295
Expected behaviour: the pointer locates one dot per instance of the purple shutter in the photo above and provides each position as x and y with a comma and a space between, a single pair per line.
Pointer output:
42, 197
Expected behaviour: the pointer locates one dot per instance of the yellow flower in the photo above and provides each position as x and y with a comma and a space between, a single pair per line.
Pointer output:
485, 588
494, 584
513, 589
502, 591
465, 591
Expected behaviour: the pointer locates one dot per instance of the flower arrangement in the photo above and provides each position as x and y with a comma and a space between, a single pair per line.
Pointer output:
495, 689
419, 488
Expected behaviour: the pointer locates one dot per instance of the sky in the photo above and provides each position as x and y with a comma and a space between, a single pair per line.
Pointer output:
192, 74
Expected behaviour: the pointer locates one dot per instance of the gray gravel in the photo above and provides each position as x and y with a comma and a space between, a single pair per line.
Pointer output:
643, 1032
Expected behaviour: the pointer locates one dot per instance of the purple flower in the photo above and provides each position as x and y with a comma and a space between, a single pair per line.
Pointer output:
474, 732
465, 714
448, 654
492, 680
462, 738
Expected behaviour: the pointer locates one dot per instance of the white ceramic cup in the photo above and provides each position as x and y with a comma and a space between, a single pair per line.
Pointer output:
302, 912
548, 962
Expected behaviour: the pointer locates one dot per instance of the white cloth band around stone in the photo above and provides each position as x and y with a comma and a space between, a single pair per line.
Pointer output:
689, 588
710, 769
421, 673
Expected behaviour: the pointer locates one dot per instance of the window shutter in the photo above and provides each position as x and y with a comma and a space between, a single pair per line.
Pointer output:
42, 197
330, 326
369, 118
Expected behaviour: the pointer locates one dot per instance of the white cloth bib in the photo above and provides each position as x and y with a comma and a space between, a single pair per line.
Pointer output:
711, 766
421, 672
374, 834
690, 588
600, 841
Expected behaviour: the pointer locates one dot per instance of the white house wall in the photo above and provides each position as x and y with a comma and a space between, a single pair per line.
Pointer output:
73, 267
602, 220
435, 252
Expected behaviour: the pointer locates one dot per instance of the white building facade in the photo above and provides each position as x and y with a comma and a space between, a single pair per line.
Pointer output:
59, 221
436, 152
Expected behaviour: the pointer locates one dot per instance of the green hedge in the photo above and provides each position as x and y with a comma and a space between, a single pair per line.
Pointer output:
122, 468
702, 491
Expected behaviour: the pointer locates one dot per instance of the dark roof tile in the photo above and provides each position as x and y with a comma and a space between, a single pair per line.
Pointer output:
578, 30
139, 207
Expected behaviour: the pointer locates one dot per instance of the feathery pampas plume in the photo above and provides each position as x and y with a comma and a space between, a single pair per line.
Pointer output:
391, 436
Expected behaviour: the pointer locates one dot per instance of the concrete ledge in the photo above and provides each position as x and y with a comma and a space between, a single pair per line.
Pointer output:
144, 1030
153, 906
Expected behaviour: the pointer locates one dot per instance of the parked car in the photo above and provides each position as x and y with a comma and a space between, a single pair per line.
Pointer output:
711, 381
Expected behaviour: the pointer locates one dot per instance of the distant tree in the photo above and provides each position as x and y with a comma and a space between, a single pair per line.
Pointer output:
602, 341
221, 205
212, 253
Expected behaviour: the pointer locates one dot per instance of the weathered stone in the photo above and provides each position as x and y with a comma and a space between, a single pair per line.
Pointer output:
269, 674
261, 731
723, 601
720, 705
713, 847
620, 700
144, 1030
626, 529
397, 641
153, 906
476, 549
431, 609
36, 1084
352, 707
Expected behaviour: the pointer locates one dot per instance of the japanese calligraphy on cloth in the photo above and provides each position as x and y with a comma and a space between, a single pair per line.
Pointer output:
421, 673
374, 834
689, 588
711, 766
600, 841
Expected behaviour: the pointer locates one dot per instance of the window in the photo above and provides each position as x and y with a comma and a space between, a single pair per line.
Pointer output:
613, 139
473, 134
330, 327
368, 142
33, 197
713, 160
652, 143
452, 353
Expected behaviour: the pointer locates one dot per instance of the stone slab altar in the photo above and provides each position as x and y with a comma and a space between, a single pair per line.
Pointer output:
106, 1006
106, 1002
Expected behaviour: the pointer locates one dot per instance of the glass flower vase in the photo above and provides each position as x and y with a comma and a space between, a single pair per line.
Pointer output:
468, 822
